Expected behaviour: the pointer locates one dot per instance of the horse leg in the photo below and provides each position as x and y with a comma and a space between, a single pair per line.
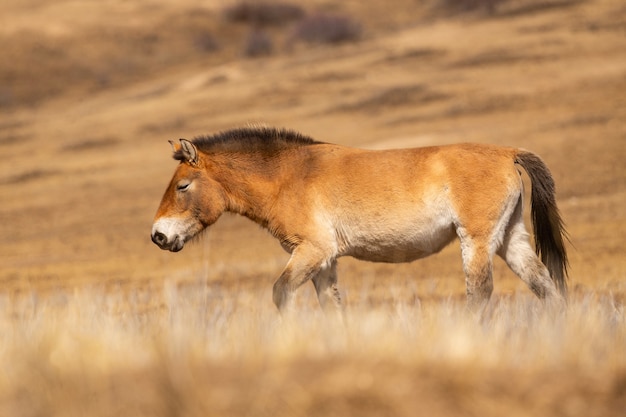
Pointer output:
522, 259
477, 265
305, 263
325, 283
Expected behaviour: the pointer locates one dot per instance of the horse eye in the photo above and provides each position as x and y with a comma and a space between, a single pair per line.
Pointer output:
183, 186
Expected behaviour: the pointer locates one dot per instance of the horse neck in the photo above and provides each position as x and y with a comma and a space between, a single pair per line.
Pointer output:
251, 185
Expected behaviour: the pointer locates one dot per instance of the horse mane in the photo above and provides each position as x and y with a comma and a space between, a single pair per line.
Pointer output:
250, 139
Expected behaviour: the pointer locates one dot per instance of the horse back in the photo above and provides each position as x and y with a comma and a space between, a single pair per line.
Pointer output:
466, 174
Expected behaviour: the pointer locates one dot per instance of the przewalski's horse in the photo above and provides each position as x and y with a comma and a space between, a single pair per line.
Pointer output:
323, 201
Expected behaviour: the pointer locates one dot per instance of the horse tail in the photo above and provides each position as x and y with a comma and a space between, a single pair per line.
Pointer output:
548, 226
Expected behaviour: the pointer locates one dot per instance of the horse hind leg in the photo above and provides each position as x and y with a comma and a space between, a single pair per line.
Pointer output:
477, 265
522, 259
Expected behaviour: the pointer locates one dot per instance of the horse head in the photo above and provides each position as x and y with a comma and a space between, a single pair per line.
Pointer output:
193, 200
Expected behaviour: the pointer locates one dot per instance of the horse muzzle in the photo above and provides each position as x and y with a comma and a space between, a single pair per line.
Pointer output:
173, 245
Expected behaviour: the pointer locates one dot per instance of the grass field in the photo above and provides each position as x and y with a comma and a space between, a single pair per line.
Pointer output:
95, 320
204, 350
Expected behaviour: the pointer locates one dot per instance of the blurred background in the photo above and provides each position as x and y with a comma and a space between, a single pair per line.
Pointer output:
90, 93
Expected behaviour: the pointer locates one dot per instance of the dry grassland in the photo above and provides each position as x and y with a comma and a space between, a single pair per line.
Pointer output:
207, 350
96, 321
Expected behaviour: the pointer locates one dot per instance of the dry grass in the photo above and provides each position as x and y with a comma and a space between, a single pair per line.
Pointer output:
96, 321
202, 350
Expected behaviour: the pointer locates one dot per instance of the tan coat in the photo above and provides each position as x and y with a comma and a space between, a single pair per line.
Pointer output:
323, 201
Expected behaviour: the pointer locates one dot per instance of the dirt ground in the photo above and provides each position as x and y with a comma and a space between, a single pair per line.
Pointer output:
90, 92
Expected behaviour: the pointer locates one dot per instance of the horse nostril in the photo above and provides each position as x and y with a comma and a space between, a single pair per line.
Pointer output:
159, 238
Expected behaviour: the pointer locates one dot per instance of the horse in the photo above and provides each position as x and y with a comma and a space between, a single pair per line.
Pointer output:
323, 201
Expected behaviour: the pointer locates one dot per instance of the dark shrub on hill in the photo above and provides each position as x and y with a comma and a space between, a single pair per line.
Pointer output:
263, 14
323, 28
258, 44
460, 6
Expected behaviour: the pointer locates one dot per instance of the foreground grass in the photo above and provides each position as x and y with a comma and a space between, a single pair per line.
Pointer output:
203, 350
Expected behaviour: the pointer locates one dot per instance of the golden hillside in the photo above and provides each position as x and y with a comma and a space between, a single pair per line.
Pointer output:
90, 92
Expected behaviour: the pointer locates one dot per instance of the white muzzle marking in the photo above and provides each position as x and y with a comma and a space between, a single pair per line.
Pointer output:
169, 233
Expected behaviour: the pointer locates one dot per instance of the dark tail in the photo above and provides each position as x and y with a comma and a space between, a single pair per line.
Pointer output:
547, 223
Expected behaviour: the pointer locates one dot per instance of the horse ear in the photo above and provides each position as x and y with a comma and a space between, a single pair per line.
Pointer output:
185, 151
175, 146
189, 151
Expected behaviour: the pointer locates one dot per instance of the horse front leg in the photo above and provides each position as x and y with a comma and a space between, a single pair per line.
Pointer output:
325, 283
306, 262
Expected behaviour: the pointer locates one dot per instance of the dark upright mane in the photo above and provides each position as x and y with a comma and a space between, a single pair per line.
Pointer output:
250, 139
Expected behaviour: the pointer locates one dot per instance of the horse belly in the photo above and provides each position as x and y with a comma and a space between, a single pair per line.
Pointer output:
400, 242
